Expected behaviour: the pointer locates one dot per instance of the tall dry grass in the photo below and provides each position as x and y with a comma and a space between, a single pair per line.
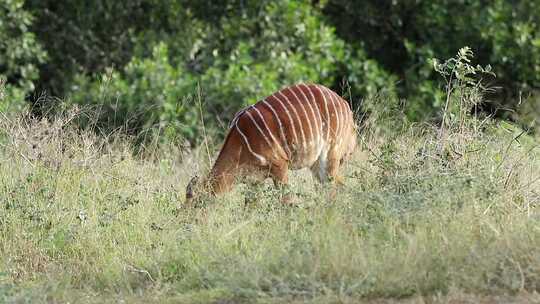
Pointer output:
90, 218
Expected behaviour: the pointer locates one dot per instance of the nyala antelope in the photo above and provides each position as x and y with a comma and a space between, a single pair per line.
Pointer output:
301, 126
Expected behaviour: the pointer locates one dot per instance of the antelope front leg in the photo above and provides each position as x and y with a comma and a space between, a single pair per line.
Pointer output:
333, 171
336, 179
279, 174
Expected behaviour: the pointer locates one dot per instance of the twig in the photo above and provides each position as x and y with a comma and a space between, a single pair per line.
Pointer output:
199, 97
242, 225
137, 270
508, 148
449, 90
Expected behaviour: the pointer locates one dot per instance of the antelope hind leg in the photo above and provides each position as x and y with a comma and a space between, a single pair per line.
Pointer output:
334, 163
336, 179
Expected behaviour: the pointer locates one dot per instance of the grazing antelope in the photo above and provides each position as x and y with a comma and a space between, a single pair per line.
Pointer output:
301, 126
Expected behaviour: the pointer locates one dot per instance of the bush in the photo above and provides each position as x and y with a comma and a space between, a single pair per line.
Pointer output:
239, 51
89, 36
20, 55
240, 60
403, 35
147, 94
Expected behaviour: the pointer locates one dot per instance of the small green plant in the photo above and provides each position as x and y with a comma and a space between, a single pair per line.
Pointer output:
463, 88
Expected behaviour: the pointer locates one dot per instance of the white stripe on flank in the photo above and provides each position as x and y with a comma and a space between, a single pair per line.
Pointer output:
236, 116
338, 119
315, 138
288, 115
267, 128
298, 121
310, 141
344, 107
336, 111
328, 121
343, 118
314, 101
281, 132
344, 121
258, 156
259, 128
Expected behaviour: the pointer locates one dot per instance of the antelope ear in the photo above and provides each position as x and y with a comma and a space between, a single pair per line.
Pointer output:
189, 188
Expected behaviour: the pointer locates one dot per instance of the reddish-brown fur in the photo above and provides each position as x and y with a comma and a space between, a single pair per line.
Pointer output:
304, 125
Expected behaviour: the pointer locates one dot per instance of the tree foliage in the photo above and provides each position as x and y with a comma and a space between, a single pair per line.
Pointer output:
404, 35
236, 59
20, 54
152, 63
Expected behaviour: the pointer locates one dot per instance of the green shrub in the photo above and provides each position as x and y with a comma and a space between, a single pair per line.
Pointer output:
239, 51
403, 35
20, 54
237, 61
147, 94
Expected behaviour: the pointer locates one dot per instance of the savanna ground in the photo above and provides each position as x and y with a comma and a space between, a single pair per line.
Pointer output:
424, 217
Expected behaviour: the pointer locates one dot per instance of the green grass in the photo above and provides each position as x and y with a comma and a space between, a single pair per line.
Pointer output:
84, 220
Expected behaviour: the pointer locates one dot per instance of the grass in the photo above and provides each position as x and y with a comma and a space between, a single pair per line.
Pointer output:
84, 219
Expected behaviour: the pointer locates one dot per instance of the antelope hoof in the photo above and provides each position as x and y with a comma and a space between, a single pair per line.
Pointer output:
338, 180
288, 200
248, 202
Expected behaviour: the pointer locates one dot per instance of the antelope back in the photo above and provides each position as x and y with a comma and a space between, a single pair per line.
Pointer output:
296, 124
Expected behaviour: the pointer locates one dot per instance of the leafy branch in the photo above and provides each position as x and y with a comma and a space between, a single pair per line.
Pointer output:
462, 85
